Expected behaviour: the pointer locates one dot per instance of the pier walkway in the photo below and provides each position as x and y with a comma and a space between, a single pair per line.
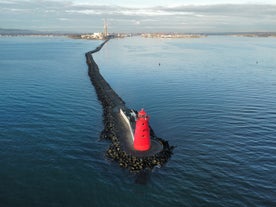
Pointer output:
118, 130
114, 102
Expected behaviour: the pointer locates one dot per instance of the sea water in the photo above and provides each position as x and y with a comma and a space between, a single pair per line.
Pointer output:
213, 98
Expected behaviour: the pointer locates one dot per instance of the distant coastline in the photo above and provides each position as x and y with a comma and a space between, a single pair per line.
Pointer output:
33, 35
100, 36
172, 35
260, 34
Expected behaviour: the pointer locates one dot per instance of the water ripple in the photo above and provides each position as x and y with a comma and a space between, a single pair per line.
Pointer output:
219, 111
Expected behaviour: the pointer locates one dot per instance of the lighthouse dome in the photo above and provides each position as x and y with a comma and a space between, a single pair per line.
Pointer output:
142, 113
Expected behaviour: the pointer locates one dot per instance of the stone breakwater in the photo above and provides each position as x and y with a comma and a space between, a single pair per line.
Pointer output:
115, 129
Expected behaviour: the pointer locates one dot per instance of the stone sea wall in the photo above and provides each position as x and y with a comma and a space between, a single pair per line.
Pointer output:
112, 103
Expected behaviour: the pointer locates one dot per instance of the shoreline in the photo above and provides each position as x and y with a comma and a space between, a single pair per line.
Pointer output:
115, 129
235, 35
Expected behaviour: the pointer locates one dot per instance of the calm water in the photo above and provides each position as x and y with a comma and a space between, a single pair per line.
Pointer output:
214, 98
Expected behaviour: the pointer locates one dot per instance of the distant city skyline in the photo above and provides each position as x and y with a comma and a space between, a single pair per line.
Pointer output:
139, 16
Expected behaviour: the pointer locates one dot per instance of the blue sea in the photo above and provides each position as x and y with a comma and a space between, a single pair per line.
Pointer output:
213, 98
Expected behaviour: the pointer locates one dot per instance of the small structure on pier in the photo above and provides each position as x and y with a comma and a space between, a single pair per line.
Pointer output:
142, 132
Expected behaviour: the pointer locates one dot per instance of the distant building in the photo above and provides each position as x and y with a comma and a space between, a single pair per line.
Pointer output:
95, 35
101, 35
105, 33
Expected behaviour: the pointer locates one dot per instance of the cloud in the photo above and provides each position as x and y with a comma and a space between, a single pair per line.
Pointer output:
137, 22
6, 2
63, 19
66, 15
126, 11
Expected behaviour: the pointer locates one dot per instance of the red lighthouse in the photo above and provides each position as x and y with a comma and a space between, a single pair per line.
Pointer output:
142, 132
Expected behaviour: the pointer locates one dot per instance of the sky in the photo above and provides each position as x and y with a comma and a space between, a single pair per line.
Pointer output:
183, 16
